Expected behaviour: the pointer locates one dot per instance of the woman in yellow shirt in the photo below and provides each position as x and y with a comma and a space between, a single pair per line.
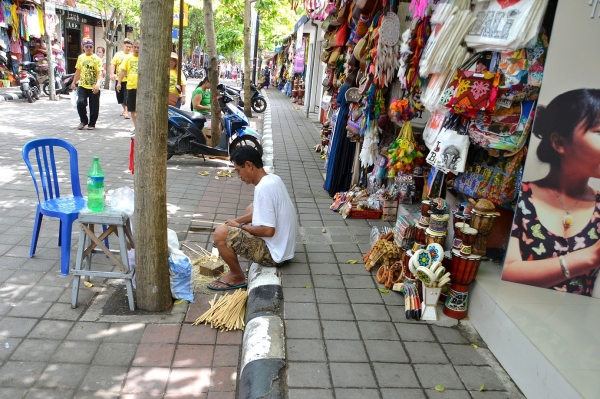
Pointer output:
173, 87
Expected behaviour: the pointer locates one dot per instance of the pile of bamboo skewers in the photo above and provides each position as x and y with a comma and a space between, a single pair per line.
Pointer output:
227, 312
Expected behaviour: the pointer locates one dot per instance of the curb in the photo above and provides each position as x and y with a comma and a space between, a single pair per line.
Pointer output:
262, 370
11, 96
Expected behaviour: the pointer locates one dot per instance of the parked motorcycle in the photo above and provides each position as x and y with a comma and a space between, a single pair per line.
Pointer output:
185, 131
62, 84
258, 101
28, 78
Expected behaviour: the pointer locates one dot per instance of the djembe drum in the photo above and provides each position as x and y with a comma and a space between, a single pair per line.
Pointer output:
462, 273
484, 224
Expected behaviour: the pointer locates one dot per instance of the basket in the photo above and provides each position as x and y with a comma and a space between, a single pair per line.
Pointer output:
356, 213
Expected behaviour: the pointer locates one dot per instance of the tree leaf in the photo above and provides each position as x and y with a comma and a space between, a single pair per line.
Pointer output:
308, 287
440, 388
474, 346
482, 388
384, 290
352, 261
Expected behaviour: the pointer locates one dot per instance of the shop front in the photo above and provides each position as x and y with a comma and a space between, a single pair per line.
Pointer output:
469, 126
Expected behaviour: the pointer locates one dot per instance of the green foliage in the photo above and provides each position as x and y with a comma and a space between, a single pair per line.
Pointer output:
276, 22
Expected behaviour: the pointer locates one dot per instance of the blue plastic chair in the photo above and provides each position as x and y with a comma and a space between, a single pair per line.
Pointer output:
66, 208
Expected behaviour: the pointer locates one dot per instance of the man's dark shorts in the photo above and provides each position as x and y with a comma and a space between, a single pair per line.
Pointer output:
131, 98
248, 246
122, 95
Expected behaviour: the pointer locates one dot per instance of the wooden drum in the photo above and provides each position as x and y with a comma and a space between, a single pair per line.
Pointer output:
425, 207
419, 234
462, 273
430, 239
482, 223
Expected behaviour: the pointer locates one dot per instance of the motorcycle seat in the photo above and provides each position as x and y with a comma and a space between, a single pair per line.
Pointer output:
193, 116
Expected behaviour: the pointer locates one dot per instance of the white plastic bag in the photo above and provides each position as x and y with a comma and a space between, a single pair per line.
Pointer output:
181, 272
74, 97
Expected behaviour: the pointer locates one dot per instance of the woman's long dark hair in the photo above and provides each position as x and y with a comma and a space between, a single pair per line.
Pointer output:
204, 80
564, 113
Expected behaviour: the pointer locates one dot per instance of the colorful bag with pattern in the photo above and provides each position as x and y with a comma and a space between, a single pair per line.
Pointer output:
495, 179
476, 91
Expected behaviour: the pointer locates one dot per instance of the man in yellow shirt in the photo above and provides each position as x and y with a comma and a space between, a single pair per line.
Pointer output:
129, 68
89, 75
115, 70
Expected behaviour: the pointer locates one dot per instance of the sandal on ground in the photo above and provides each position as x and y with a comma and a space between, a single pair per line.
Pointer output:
91, 127
127, 116
122, 113
210, 286
81, 126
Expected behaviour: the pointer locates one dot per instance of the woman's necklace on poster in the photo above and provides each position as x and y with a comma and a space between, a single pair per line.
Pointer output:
567, 220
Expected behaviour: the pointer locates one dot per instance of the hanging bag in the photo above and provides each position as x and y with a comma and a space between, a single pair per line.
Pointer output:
475, 92
451, 147
495, 179
506, 130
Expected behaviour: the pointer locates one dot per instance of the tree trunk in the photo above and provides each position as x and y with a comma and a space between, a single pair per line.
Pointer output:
247, 56
109, 57
152, 266
213, 74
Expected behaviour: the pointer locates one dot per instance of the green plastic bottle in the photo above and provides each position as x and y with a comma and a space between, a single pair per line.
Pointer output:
95, 187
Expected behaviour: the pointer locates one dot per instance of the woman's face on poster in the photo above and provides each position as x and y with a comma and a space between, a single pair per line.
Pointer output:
584, 150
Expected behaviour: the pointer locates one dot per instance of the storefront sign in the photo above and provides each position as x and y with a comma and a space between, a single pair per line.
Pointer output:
72, 25
557, 221
87, 31
185, 16
50, 8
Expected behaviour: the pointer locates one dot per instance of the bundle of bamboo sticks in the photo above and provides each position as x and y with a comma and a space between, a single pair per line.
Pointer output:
227, 312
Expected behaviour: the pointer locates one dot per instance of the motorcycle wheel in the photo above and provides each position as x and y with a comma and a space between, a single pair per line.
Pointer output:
245, 140
36, 93
28, 96
259, 105
46, 88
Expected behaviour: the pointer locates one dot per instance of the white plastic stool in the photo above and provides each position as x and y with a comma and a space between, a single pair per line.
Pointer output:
117, 223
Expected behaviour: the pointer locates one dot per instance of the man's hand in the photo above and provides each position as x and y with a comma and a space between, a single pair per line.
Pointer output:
232, 223
113, 76
73, 86
119, 87
96, 88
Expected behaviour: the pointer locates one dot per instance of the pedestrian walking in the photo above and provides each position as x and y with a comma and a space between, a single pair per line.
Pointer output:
114, 73
129, 68
228, 71
88, 72
176, 91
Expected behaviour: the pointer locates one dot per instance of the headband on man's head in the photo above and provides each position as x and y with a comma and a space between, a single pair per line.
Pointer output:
87, 42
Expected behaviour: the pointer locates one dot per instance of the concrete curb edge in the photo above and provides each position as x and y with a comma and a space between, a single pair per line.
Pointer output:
262, 369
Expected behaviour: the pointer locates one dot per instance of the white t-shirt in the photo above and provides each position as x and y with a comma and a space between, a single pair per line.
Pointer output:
273, 207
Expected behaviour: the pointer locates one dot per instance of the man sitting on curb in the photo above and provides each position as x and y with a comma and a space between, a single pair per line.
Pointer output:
266, 233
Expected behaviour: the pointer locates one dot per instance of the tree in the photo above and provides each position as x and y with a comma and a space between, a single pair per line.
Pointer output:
213, 61
247, 57
150, 216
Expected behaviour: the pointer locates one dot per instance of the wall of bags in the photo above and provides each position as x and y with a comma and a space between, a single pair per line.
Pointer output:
468, 71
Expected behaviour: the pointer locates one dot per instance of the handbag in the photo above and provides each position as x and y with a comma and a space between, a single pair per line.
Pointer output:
367, 6
332, 62
495, 179
451, 148
506, 130
475, 91
433, 128
173, 98
352, 95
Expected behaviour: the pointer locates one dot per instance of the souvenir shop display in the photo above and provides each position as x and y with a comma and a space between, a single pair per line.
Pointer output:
385, 65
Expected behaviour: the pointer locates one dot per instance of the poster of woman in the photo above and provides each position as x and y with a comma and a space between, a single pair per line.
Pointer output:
555, 239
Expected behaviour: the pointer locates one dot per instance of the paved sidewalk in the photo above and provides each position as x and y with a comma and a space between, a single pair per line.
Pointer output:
47, 349
344, 338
